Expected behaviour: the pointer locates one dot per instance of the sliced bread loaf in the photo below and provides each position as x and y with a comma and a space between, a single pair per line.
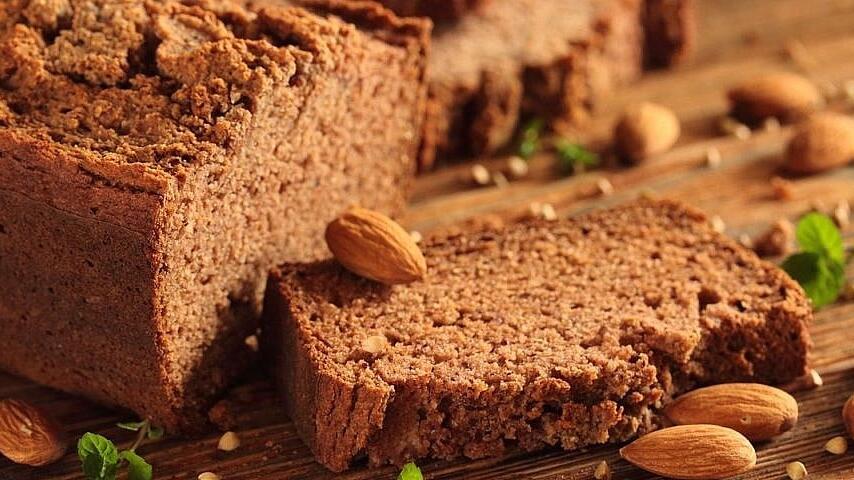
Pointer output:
158, 157
567, 333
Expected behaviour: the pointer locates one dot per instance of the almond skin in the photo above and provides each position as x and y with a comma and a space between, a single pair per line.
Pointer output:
373, 246
785, 96
848, 416
645, 129
28, 435
692, 452
823, 142
757, 411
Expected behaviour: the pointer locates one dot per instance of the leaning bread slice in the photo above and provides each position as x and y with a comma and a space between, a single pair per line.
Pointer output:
567, 333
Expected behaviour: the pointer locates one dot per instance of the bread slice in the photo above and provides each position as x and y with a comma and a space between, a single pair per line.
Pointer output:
570, 333
149, 182
509, 60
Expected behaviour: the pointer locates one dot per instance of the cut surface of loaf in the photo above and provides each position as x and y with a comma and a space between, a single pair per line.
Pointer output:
567, 333
158, 157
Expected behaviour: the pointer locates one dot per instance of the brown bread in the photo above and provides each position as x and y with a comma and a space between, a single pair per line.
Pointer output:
148, 183
496, 62
568, 333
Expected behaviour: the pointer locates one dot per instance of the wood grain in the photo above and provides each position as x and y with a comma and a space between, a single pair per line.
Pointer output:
739, 39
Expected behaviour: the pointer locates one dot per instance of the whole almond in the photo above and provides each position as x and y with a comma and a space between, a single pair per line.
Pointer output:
645, 129
692, 452
373, 246
757, 411
785, 96
28, 435
848, 416
823, 142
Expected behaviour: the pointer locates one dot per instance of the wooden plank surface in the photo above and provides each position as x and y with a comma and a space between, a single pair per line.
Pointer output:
739, 39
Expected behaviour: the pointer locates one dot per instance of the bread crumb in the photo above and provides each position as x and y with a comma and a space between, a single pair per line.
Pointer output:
228, 442
222, 415
783, 189
745, 240
713, 158
603, 471
252, 342
718, 224
480, 174
777, 240
375, 344
842, 214
605, 187
416, 236
208, 476
517, 166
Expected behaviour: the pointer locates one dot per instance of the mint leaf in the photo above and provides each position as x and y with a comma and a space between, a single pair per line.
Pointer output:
410, 472
817, 233
821, 278
99, 457
155, 433
573, 157
530, 143
132, 426
138, 468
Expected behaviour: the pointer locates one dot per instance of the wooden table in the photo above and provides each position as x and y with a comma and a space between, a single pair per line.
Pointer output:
739, 39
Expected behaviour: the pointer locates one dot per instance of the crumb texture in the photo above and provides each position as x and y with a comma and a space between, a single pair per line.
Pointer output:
569, 333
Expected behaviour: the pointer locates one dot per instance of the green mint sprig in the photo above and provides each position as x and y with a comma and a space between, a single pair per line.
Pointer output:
820, 265
410, 472
573, 157
101, 459
530, 142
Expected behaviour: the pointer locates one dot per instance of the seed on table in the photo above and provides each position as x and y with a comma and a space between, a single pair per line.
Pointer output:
796, 471
228, 441
605, 187
848, 87
836, 445
549, 212
842, 214
517, 166
771, 124
713, 158
718, 224
500, 180
480, 174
